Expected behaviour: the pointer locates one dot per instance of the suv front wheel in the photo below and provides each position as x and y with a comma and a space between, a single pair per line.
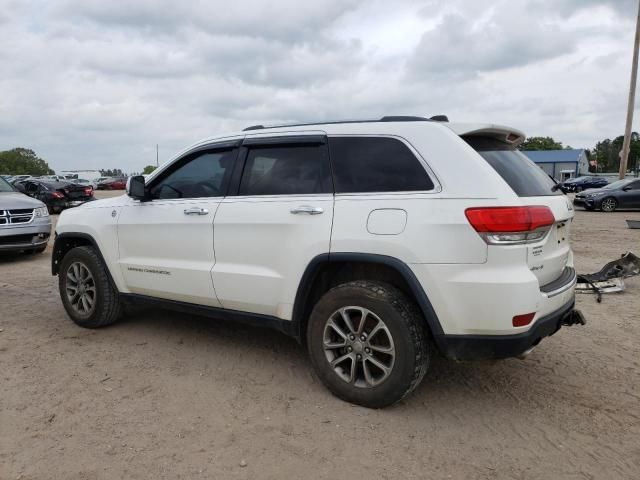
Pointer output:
367, 343
85, 290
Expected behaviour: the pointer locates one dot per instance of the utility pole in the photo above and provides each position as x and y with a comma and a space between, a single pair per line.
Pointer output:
157, 163
624, 155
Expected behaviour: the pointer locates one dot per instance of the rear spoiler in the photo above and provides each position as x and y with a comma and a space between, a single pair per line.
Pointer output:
504, 134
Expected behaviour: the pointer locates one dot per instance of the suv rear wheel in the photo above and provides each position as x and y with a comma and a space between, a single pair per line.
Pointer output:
86, 292
367, 343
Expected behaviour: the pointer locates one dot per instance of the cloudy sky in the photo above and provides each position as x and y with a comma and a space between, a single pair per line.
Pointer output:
97, 83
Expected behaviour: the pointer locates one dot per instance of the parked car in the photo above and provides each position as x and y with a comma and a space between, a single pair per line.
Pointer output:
19, 178
113, 184
97, 182
81, 181
57, 195
24, 222
343, 236
621, 194
583, 183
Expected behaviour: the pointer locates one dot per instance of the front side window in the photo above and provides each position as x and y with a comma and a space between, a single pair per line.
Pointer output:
286, 170
200, 175
376, 164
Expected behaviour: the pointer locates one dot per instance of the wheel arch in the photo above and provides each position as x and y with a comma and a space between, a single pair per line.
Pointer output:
328, 270
64, 242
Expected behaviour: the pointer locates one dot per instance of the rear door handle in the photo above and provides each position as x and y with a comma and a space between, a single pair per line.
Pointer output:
196, 211
307, 209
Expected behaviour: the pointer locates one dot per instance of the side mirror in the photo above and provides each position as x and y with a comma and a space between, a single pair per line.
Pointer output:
136, 188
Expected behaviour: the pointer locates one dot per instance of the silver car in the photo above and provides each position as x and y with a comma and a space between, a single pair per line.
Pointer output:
25, 224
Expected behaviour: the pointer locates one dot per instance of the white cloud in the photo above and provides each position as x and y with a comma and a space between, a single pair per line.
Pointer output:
97, 84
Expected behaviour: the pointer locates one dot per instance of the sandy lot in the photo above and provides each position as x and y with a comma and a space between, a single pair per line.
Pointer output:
164, 395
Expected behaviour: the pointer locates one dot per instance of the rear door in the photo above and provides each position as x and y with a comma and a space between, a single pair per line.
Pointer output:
548, 257
278, 219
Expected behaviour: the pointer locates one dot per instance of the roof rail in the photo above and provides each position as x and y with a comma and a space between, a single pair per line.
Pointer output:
387, 118
403, 118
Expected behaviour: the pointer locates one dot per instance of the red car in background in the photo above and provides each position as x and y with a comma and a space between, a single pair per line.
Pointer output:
113, 184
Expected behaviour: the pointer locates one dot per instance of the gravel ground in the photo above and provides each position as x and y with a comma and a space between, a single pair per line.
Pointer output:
164, 395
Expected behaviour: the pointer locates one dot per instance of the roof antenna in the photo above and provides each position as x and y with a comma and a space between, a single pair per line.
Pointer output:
440, 118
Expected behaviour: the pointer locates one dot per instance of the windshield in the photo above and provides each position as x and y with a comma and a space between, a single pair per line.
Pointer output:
524, 177
618, 184
5, 186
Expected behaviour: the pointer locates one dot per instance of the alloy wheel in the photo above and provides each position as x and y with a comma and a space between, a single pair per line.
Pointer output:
359, 346
609, 204
81, 289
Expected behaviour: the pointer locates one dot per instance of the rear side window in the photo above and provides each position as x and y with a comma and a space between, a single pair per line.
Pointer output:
524, 177
376, 164
286, 170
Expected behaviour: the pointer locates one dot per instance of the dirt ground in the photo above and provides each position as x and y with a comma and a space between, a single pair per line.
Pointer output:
164, 395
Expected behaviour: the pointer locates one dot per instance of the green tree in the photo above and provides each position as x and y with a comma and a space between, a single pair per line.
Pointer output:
148, 169
116, 172
541, 143
607, 153
23, 161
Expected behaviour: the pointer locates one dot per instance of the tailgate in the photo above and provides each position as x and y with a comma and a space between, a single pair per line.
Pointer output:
548, 258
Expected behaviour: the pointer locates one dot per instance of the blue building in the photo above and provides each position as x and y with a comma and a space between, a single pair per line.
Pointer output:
561, 164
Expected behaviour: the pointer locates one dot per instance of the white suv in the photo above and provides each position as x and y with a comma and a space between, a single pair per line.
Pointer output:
375, 243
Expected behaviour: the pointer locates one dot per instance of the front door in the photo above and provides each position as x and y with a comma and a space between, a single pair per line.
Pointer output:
630, 197
279, 220
166, 243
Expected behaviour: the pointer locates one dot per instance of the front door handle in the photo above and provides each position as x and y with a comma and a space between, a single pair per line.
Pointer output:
196, 211
307, 209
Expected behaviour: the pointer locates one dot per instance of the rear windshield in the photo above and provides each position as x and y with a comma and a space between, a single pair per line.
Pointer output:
524, 177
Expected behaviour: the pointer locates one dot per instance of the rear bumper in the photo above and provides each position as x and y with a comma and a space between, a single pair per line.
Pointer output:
483, 347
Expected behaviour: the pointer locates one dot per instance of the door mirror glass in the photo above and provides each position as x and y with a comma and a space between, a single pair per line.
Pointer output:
135, 187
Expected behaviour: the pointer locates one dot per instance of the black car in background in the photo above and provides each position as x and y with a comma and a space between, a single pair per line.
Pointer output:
620, 194
56, 195
583, 183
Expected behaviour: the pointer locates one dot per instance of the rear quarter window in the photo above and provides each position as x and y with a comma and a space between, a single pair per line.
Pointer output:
376, 164
524, 177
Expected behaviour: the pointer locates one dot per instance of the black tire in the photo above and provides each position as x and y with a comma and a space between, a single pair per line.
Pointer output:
404, 323
608, 204
51, 210
107, 307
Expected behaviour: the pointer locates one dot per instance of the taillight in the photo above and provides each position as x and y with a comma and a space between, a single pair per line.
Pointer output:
511, 225
57, 195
